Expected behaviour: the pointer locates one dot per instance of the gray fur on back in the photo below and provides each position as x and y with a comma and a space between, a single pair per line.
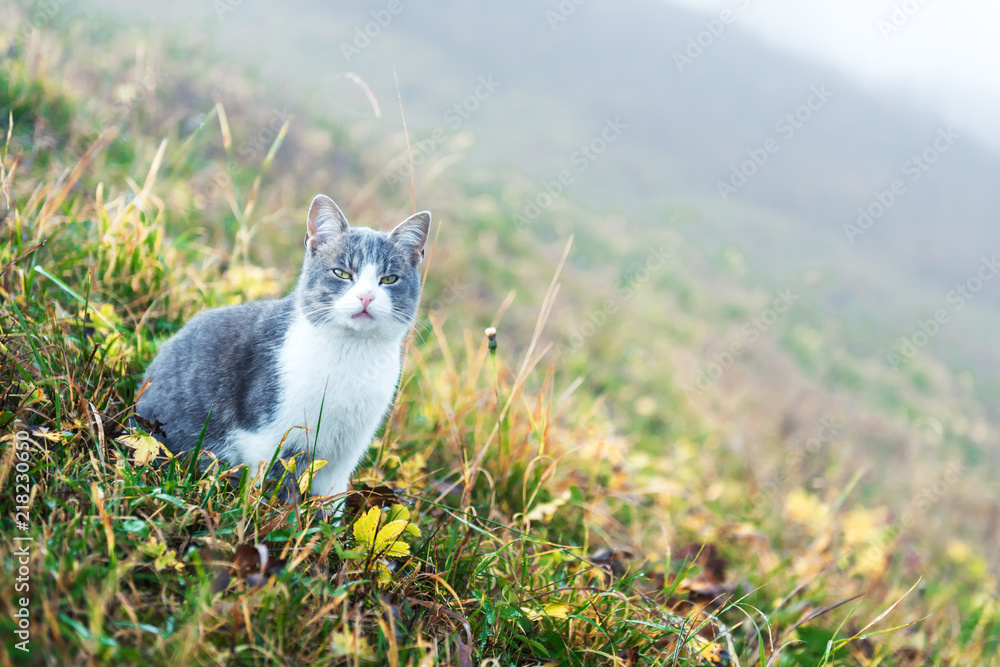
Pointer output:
223, 360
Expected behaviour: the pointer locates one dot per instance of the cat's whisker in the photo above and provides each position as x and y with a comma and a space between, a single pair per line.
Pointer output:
419, 331
420, 335
322, 311
309, 314
411, 322
422, 321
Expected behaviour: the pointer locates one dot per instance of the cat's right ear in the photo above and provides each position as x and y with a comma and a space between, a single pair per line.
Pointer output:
325, 222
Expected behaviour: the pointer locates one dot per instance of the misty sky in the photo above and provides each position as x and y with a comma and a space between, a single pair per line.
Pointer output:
945, 52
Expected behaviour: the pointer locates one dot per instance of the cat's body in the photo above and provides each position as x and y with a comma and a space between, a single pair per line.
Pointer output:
316, 370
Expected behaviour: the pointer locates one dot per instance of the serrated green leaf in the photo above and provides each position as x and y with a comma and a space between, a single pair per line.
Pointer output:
400, 512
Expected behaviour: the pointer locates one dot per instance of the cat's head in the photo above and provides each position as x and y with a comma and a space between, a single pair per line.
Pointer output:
359, 279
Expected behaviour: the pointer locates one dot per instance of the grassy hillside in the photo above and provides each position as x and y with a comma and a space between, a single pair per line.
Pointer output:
595, 493
686, 130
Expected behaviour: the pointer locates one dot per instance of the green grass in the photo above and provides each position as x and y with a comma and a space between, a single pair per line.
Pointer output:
140, 550
602, 521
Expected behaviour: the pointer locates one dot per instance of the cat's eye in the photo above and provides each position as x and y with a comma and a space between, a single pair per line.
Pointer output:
388, 280
340, 273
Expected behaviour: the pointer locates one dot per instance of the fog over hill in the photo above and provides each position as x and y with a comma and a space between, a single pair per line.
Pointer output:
785, 157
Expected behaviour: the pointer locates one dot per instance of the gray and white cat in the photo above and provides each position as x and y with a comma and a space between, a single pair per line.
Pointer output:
318, 368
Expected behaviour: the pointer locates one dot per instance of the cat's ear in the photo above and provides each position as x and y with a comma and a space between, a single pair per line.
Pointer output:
411, 235
324, 223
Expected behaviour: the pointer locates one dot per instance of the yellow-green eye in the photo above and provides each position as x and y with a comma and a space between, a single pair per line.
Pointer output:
340, 273
388, 280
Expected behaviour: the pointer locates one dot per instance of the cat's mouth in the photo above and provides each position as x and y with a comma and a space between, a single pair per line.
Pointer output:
363, 315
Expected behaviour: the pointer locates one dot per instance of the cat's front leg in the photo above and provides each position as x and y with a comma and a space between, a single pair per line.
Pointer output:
331, 483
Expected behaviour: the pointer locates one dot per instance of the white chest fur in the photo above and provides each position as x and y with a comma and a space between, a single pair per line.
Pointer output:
335, 390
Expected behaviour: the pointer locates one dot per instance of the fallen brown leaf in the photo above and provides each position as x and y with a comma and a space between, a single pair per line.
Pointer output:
151, 427
367, 497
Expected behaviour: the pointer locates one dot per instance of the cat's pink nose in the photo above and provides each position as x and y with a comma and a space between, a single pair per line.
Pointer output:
366, 298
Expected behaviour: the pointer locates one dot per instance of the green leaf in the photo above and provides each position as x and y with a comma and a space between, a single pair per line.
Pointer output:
349, 554
538, 646
511, 613
401, 513
166, 497
398, 512
135, 526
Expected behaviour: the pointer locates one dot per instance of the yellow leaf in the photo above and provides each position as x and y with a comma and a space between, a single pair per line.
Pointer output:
43, 432
959, 551
382, 541
386, 542
412, 471
306, 477
144, 447
344, 643
366, 526
714, 654
153, 547
862, 526
805, 509
554, 610
107, 310
288, 465
162, 559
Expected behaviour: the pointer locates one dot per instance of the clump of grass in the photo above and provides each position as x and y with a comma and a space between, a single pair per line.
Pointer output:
140, 550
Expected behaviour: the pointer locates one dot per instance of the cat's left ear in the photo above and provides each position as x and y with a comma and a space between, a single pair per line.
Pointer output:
325, 222
411, 235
